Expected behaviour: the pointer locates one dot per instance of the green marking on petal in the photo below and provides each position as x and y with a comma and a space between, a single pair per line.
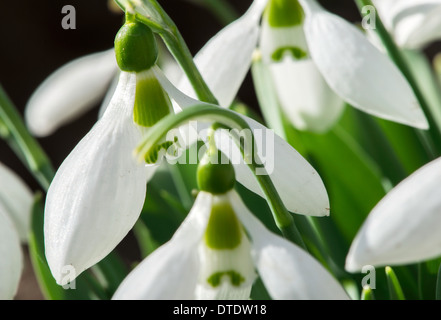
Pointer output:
223, 229
296, 52
235, 278
284, 13
135, 47
152, 103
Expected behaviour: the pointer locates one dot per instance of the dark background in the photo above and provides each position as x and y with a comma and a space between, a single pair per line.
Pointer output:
34, 44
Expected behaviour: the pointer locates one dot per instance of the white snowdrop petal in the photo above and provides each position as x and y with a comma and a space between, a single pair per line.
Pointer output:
300, 186
16, 198
304, 95
413, 24
11, 261
225, 59
297, 182
357, 71
69, 92
171, 271
404, 226
98, 191
287, 271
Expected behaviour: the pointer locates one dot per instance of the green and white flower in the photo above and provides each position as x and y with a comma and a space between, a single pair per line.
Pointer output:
216, 254
351, 66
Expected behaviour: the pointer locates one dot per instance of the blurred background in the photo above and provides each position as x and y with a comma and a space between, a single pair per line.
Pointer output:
34, 44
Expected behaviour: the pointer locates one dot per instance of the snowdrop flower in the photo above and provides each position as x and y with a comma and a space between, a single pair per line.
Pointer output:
404, 226
16, 199
15, 212
11, 262
413, 24
351, 66
70, 92
99, 190
214, 254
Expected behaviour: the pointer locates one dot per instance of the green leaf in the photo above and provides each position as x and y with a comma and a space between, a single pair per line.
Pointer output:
395, 291
14, 131
353, 180
438, 285
367, 294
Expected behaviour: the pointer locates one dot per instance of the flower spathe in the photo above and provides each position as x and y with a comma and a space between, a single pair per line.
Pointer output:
98, 191
186, 266
403, 227
352, 67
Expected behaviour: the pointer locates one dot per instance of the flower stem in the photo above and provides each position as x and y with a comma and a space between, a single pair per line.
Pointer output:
431, 140
229, 119
24, 145
153, 15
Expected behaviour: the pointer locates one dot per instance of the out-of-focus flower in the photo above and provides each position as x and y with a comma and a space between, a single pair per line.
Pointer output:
351, 66
15, 213
413, 24
404, 226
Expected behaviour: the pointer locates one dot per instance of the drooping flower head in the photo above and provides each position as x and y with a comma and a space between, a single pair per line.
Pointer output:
351, 66
221, 248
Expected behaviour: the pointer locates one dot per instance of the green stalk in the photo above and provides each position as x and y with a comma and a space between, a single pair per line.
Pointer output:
153, 15
27, 148
227, 118
431, 140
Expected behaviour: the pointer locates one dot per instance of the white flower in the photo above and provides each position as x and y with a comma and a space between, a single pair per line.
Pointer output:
11, 262
404, 226
69, 92
77, 86
15, 212
16, 198
413, 24
351, 66
194, 266
296, 181
99, 190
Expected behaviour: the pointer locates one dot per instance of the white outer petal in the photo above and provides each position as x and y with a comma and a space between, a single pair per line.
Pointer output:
69, 92
414, 24
98, 191
287, 271
16, 198
171, 271
11, 258
357, 71
404, 226
297, 182
225, 59
304, 95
